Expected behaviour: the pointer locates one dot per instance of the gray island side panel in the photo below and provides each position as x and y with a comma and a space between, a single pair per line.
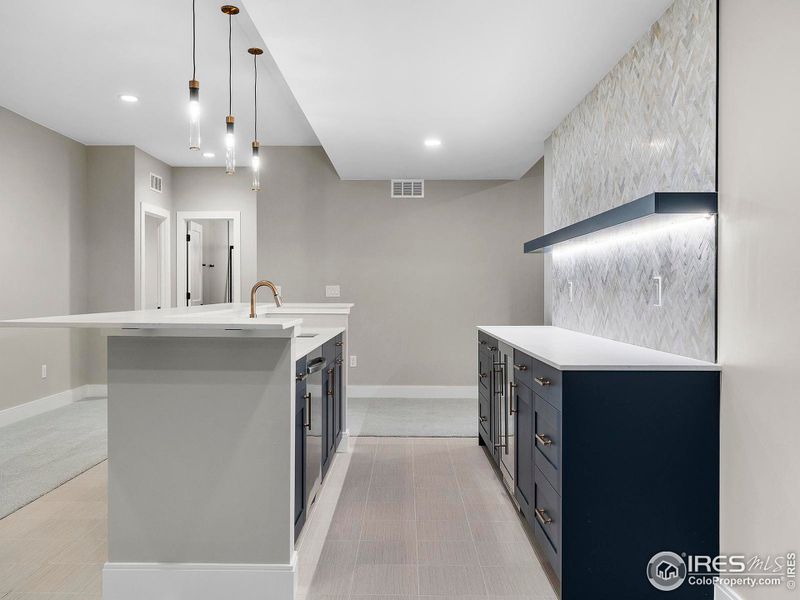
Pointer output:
200, 453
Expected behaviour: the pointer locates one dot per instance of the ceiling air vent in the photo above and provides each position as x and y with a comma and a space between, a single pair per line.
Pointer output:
408, 188
156, 184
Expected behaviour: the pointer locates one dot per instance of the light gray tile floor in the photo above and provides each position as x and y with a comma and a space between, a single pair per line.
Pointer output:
420, 417
396, 520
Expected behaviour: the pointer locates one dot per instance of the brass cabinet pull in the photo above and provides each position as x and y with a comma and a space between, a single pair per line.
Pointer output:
542, 516
339, 360
482, 375
499, 445
307, 398
484, 419
543, 381
492, 348
520, 367
339, 344
543, 439
482, 342
511, 386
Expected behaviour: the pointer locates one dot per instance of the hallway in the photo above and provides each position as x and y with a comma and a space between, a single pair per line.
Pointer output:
416, 518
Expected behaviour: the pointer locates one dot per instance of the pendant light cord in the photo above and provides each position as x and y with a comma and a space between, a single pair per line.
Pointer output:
194, 44
255, 97
230, 66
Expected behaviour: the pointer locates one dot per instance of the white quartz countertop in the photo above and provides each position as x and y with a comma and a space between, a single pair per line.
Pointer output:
568, 350
209, 317
304, 344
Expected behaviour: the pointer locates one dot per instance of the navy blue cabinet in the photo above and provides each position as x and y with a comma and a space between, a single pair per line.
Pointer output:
300, 448
332, 389
612, 467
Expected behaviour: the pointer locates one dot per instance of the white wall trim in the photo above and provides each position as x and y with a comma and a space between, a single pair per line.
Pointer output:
165, 255
412, 391
199, 581
181, 218
725, 592
42, 405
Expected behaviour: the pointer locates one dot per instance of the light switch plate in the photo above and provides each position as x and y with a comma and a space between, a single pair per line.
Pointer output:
332, 291
44, 371
353, 360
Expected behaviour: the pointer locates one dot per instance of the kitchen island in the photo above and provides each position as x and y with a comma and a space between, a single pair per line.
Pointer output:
202, 445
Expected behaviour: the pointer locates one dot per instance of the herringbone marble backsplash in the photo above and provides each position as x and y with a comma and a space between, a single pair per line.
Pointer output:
649, 125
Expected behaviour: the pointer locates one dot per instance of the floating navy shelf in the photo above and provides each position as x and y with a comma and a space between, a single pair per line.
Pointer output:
652, 204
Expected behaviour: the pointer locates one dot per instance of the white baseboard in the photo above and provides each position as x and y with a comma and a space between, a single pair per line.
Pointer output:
724, 592
201, 581
412, 391
42, 405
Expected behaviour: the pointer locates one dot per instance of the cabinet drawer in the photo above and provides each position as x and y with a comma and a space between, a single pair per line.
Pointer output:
547, 440
523, 368
484, 370
483, 414
546, 381
546, 520
486, 341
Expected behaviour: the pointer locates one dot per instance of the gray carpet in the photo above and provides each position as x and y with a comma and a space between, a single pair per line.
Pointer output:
413, 417
40, 453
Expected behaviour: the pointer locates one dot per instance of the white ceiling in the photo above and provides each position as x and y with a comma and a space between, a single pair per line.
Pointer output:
63, 64
373, 78
491, 79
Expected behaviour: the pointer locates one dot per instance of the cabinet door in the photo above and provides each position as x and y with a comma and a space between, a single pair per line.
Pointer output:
300, 450
523, 480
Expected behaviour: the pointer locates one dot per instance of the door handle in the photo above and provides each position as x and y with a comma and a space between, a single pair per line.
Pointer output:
307, 424
543, 381
511, 386
543, 439
330, 382
499, 446
520, 367
542, 516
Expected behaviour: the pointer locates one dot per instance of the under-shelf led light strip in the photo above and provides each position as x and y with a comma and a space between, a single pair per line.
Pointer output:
640, 231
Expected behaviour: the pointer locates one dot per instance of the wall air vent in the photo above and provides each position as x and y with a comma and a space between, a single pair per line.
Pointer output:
408, 188
156, 184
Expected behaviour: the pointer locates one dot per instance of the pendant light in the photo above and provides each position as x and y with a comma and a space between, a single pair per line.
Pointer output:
256, 161
230, 139
194, 94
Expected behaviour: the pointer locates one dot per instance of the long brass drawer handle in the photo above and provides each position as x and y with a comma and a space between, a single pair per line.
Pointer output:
542, 515
543, 439
543, 381
511, 386
520, 367
499, 445
307, 398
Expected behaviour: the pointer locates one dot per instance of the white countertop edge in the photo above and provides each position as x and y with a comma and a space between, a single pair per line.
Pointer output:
648, 360
302, 346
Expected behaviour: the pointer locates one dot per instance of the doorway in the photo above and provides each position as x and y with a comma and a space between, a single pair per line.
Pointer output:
208, 258
154, 258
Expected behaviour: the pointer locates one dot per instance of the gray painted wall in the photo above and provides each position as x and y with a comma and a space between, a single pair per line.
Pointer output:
759, 325
649, 125
44, 257
211, 189
422, 272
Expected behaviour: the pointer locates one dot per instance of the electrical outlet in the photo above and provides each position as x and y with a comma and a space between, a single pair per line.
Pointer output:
44, 371
571, 291
332, 291
353, 360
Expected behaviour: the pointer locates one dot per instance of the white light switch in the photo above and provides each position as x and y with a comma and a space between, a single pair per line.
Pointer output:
353, 360
332, 291
657, 291
571, 291
44, 371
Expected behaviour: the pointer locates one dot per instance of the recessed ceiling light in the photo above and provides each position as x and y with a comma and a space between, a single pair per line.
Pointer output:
433, 142
128, 98
209, 154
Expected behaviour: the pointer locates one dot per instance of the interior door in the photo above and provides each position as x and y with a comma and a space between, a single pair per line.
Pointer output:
194, 264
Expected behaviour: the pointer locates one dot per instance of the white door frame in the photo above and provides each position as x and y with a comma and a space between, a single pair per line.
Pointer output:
181, 220
165, 250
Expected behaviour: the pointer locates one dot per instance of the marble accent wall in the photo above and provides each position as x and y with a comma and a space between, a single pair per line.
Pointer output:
649, 125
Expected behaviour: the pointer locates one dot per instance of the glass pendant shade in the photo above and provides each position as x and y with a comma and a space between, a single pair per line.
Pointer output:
194, 115
230, 146
256, 168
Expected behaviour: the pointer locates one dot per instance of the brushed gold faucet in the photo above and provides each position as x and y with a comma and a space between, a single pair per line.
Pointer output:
275, 295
